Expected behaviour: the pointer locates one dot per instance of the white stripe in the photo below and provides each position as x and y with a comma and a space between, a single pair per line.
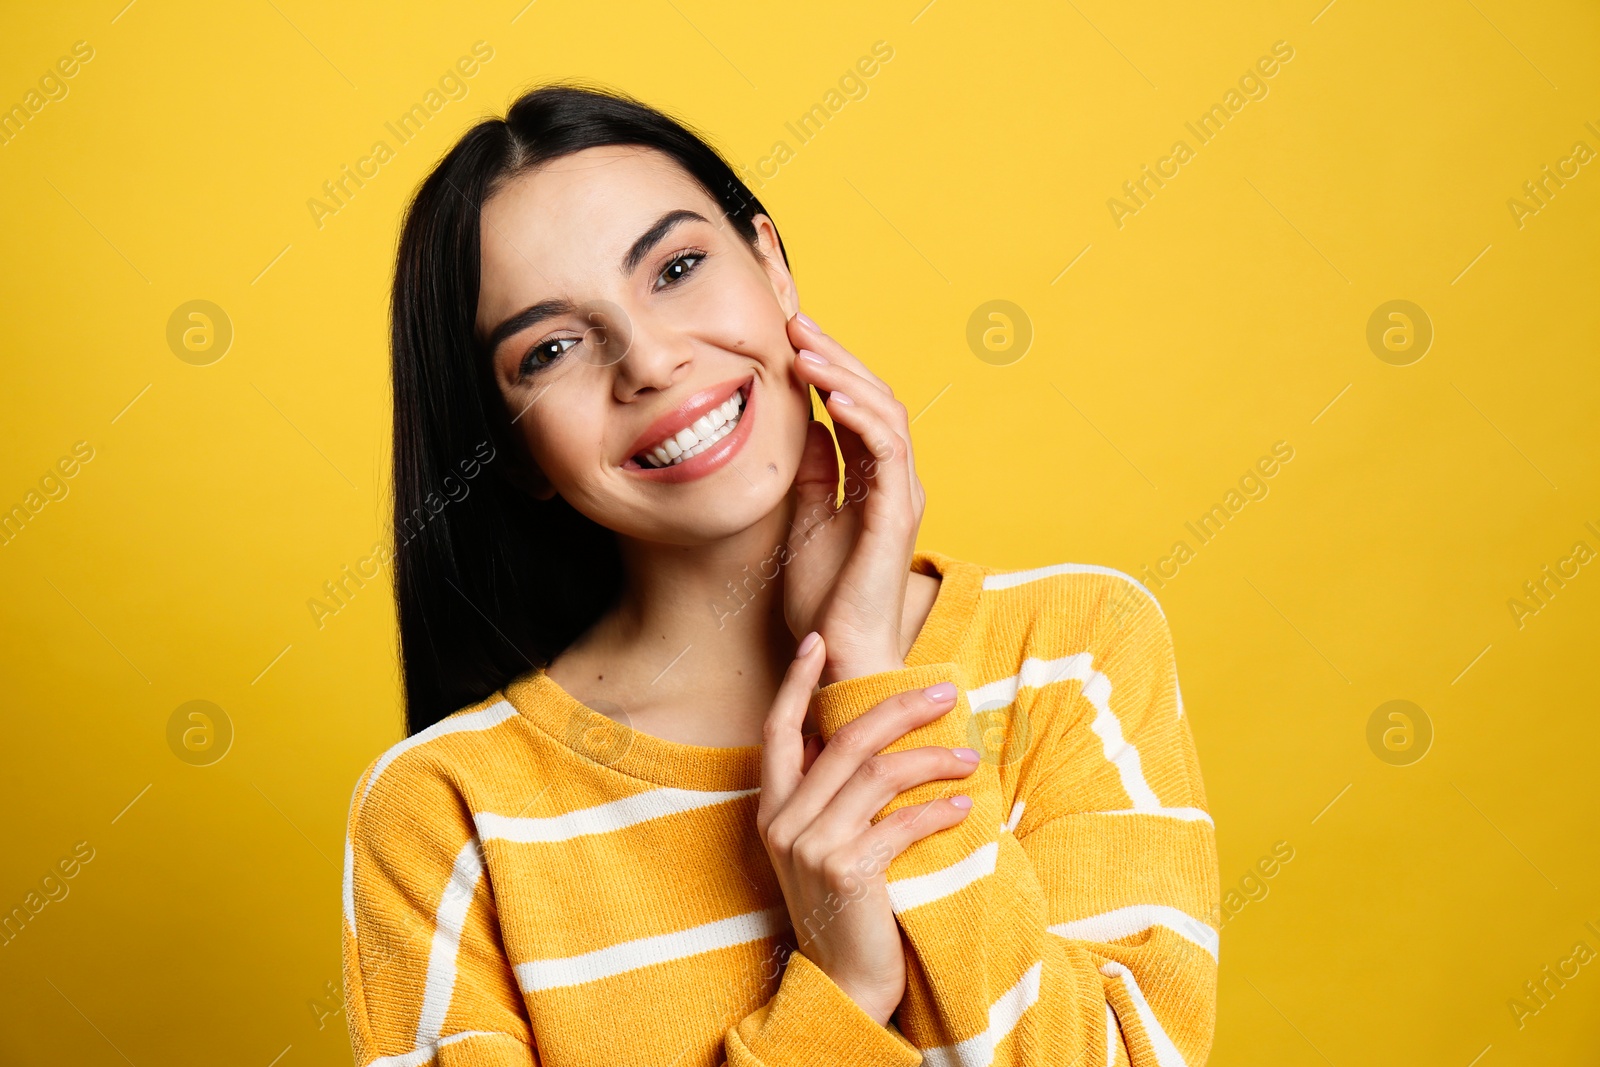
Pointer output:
1016, 816
602, 818
992, 695
1184, 814
418, 1056
1136, 919
447, 923
348, 887
1113, 1036
1167, 1054
913, 892
536, 975
1014, 578
1004, 1014
1097, 691
1037, 673
485, 719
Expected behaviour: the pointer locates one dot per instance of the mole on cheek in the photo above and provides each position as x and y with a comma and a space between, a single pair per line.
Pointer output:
773, 467
739, 343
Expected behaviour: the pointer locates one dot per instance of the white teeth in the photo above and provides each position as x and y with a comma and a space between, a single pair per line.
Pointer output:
700, 435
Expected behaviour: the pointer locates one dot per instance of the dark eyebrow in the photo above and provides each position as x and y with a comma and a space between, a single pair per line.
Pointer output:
529, 317
651, 237
534, 314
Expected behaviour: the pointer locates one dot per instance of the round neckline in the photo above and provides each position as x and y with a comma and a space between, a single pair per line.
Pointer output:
598, 739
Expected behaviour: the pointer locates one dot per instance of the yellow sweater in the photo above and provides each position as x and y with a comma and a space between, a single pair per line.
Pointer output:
530, 882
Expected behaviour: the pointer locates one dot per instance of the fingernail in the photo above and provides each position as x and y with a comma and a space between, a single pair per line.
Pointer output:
944, 690
968, 755
841, 398
803, 317
811, 357
807, 643
963, 802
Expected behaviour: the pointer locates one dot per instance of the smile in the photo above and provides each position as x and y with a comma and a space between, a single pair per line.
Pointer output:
698, 437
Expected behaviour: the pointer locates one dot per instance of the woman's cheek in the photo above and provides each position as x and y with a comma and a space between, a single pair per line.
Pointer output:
560, 464
743, 312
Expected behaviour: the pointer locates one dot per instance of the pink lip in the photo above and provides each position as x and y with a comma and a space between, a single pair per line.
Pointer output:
684, 415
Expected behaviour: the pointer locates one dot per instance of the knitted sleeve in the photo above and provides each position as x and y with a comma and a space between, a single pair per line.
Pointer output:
425, 972
811, 1022
1063, 921
427, 980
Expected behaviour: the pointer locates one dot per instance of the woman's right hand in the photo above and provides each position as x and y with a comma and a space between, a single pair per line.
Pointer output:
815, 818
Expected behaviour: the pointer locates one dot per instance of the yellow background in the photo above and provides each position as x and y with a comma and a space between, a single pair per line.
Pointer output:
1223, 317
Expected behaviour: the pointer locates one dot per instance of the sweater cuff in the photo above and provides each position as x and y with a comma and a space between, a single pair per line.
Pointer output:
811, 1022
843, 701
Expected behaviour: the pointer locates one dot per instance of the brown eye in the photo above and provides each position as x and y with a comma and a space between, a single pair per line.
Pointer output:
544, 353
681, 267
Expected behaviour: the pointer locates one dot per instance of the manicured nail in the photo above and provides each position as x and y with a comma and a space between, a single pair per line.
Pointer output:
804, 318
841, 398
812, 357
963, 802
941, 692
807, 643
967, 755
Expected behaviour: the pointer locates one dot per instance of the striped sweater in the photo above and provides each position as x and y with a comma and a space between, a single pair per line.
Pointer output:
529, 882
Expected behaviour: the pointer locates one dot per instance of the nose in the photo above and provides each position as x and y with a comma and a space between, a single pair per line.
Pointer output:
647, 355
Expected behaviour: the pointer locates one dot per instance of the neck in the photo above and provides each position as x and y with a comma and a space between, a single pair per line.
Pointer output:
714, 604
697, 644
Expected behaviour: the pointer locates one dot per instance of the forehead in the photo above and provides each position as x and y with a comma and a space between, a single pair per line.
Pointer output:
587, 206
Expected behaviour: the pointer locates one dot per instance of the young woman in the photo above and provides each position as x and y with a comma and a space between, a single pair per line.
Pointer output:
627, 826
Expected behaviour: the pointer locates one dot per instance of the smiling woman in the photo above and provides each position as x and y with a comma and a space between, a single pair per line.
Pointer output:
728, 864
671, 283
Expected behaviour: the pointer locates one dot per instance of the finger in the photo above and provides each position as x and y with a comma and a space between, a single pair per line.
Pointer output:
864, 737
819, 478
803, 336
830, 377
869, 424
859, 466
809, 337
816, 483
900, 828
884, 777
813, 750
889, 464
886, 516
782, 749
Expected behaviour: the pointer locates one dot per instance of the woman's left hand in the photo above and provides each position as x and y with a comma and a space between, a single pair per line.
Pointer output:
848, 567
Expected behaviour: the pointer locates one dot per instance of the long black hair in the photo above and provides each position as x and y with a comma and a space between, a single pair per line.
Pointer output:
490, 581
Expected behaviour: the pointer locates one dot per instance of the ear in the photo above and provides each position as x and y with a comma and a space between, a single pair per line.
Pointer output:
772, 262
